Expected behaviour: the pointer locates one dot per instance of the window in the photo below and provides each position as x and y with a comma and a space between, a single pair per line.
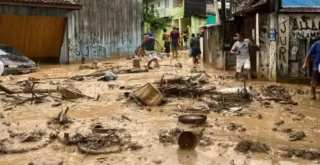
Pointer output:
167, 3
152, 6
158, 4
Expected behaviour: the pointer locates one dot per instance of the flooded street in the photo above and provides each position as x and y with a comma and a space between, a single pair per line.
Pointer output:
273, 123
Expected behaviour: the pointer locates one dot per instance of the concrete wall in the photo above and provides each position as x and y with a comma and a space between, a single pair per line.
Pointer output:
266, 60
213, 53
102, 29
195, 23
297, 32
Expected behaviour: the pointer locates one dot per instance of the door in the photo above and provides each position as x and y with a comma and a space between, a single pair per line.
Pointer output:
37, 37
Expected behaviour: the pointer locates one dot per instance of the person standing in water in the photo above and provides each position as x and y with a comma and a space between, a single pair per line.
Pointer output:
149, 46
241, 49
315, 80
195, 49
174, 36
166, 39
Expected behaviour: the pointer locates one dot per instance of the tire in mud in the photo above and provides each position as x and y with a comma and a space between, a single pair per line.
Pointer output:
193, 119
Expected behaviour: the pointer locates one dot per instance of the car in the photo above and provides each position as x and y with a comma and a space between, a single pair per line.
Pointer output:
14, 62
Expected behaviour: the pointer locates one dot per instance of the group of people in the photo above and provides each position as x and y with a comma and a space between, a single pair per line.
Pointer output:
172, 42
241, 49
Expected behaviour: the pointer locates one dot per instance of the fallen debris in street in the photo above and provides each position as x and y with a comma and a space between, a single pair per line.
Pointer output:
278, 94
233, 127
308, 154
193, 119
149, 95
69, 93
293, 135
23, 141
252, 146
279, 123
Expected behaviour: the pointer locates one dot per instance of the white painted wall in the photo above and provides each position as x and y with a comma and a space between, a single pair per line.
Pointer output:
164, 7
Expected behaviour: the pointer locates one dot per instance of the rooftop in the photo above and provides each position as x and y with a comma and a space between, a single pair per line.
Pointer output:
65, 4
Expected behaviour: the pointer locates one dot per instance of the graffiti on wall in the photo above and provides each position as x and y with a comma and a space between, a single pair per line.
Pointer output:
93, 48
305, 27
283, 51
89, 49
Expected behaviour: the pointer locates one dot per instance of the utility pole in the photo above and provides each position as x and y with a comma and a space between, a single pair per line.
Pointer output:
223, 25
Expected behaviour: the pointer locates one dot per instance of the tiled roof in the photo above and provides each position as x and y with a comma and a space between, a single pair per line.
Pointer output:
56, 2
64, 4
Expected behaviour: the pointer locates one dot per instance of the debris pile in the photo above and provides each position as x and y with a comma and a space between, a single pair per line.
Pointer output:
308, 154
278, 94
252, 146
228, 102
293, 135
185, 86
23, 141
101, 140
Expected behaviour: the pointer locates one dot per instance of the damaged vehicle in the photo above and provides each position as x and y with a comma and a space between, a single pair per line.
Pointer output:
14, 62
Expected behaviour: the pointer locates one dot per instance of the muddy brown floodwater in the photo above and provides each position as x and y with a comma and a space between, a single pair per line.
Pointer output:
285, 133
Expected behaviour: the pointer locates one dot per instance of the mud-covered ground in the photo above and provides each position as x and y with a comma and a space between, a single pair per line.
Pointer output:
266, 130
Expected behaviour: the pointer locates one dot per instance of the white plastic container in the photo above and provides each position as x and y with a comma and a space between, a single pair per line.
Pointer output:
1, 68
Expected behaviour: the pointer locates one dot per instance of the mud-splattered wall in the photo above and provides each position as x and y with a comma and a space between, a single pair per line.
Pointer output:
297, 32
104, 28
264, 54
212, 41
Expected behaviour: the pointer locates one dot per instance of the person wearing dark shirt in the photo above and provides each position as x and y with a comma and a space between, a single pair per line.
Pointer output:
149, 47
174, 35
195, 48
314, 51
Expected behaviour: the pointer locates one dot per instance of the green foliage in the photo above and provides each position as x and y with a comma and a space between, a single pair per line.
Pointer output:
151, 16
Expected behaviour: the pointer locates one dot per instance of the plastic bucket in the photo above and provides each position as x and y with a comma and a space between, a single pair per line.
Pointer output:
187, 140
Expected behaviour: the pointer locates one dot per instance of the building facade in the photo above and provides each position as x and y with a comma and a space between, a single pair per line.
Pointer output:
62, 31
284, 30
187, 15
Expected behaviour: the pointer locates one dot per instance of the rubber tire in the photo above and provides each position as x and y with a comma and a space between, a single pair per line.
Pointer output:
193, 119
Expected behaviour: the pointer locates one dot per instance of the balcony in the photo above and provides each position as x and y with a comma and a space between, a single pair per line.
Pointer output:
164, 12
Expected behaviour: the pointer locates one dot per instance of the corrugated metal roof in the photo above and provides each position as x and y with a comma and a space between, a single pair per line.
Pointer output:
300, 10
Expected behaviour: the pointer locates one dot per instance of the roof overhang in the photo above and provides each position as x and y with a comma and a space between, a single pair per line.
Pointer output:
250, 8
42, 4
300, 10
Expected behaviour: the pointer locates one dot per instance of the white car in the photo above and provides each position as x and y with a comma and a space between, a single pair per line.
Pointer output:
14, 62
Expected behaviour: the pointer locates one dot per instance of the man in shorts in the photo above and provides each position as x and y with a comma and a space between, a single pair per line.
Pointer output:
175, 35
166, 39
241, 49
149, 46
314, 51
